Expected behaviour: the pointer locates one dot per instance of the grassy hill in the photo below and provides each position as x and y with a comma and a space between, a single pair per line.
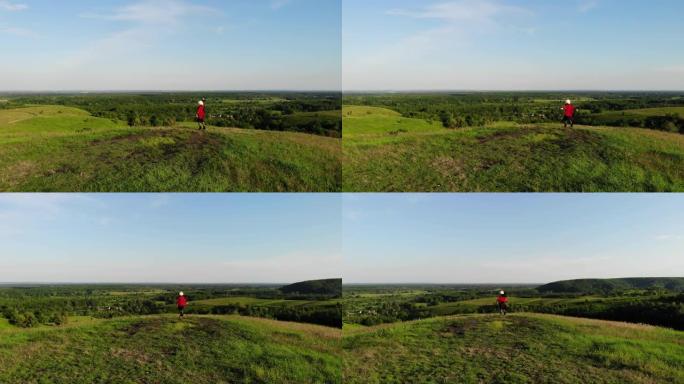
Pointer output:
162, 349
53, 148
604, 286
519, 348
386, 152
327, 287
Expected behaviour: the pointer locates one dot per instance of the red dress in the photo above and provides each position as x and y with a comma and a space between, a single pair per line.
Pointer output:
569, 110
181, 301
201, 113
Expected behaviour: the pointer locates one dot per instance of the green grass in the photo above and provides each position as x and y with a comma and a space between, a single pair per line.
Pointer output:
519, 348
380, 125
4, 324
162, 349
386, 152
65, 149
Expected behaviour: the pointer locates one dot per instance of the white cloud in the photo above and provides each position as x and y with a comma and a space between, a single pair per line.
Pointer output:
7, 5
587, 5
352, 215
667, 237
41, 202
159, 200
21, 32
477, 11
427, 57
153, 12
277, 4
21, 212
150, 21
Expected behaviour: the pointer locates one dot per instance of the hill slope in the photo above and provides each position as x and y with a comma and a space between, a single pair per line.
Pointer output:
162, 349
52, 148
386, 152
327, 287
603, 286
519, 348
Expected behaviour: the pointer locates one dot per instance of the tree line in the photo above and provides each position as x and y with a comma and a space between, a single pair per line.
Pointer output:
313, 113
655, 307
460, 110
32, 306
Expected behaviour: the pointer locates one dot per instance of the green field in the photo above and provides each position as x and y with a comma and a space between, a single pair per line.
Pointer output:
54, 148
163, 349
257, 302
662, 111
518, 348
475, 304
386, 152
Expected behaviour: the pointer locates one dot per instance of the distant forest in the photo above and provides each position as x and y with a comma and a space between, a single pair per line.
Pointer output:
469, 109
313, 113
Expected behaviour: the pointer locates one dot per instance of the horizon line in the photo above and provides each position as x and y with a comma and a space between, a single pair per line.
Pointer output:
506, 90
291, 90
514, 283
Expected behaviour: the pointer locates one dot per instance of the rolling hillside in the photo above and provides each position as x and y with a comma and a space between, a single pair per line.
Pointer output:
606, 286
156, 349
386, 152
518, 348
53, 148
326, 287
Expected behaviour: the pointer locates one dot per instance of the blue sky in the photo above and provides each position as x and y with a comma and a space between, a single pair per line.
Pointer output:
170, 44
222, 238
511, 238
513, 44
364, 238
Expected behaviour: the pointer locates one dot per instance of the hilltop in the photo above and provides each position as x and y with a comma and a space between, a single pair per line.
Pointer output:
155, 349
386, 151
326, 287
56, 148
607, 286
518, 348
